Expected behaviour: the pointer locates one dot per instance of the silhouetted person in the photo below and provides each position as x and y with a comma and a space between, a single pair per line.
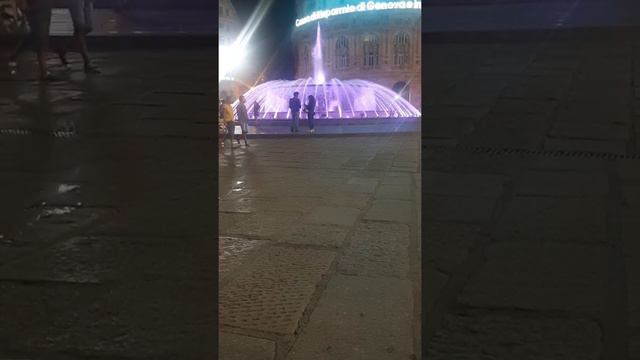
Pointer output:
81, 12
39, 16
295, 106
310, 108
227, 116
256, 110
243, 119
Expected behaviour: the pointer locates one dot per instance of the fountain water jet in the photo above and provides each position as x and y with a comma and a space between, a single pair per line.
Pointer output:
335, 99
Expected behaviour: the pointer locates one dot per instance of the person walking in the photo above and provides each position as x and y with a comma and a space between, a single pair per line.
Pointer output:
227, 116
243, 119
14, 28
310, 109
295, 106
256, 110
39, 18
81, 12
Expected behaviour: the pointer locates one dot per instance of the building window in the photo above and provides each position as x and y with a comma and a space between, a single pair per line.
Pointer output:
371, 51
401, 49
342, 53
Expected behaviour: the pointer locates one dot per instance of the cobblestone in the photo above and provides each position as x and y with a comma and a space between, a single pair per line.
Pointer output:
539, 277
377, 250
353, 321
274, 294
511, 335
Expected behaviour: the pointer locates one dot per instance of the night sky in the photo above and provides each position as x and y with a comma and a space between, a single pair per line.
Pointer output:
272, 38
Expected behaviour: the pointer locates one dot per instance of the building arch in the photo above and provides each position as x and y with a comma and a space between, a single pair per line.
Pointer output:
402, 88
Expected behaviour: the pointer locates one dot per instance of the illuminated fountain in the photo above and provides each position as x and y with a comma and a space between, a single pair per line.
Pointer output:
334, 98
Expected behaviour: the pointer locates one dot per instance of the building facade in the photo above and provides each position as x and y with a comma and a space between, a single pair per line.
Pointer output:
383, 46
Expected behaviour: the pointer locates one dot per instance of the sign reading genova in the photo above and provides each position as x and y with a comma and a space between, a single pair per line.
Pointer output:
361, 7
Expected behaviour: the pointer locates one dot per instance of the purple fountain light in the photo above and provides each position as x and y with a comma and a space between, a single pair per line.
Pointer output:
335, 99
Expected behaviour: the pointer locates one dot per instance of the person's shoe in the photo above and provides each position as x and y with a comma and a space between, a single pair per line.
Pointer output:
91, 69
246, 144
312, 130
13, 68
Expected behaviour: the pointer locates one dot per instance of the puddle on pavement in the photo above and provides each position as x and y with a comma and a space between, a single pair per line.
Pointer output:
55, 211
233, 251
65, 188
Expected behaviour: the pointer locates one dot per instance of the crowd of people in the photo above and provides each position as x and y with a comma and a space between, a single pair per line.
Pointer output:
29, 21
228, 121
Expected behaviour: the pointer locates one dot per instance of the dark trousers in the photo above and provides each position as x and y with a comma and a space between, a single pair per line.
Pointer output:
310, 116
231, 129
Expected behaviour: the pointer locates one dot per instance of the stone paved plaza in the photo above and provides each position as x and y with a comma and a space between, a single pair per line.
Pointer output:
107, 211
531, 180
319, 248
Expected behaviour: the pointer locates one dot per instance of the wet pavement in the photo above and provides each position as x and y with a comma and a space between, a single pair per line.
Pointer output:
319, 248
531, 178
106, 227
390, 126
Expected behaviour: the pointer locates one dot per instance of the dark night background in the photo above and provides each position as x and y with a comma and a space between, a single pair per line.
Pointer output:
272, 40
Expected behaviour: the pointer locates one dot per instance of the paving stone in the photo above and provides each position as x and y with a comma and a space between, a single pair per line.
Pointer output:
558, 164
562, 184
361, 185
377, 250
590, 131
392, 210
632, 197
634, 347
352, 321
76, 260
266, 225
234, 253
316, 235
447, 129
554, 220
341, 216
538, 88
628, 170
473, 185
398, 192
503, 335
452, 113
345, 199
462, 209
540, 277
447, 245
272, 295
524, 106
397, 179
240, 347
596, 146
582, 111
631, 250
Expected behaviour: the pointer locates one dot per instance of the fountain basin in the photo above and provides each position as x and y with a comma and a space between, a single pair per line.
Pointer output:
335, 99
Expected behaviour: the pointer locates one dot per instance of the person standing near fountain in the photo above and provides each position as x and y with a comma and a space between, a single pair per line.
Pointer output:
310, 109
256, 110
243, 118
227, 116
295, 106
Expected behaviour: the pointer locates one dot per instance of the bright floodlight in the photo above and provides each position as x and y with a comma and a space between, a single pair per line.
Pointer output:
231, 57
